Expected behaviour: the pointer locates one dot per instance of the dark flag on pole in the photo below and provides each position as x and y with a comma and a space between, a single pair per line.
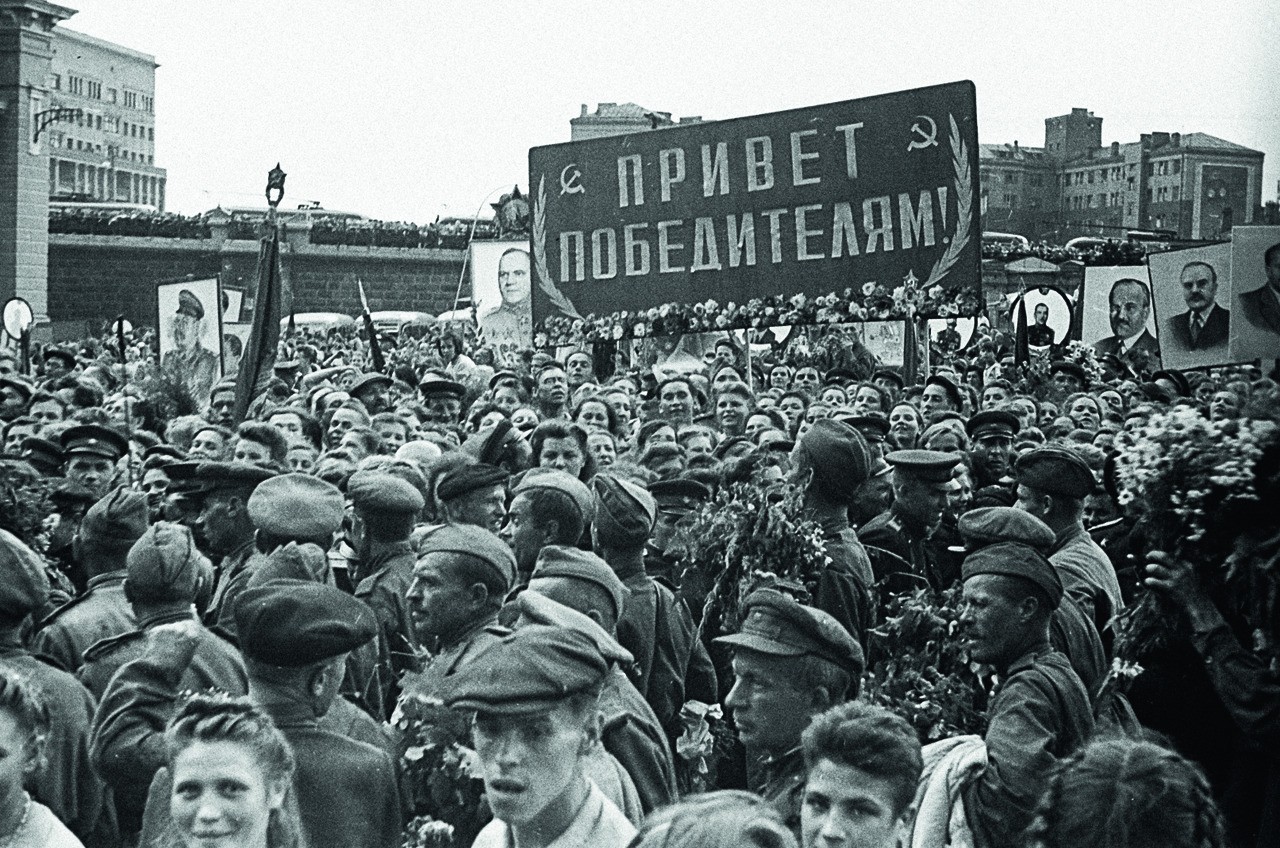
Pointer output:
911, 352
375, 351
257, 365
1021, 345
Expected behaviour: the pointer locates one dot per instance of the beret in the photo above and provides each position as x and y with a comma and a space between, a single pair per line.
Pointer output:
924, 465
891, 376
294, 561
776, 623
367, 380
537, 608
25, 586
1055, 471
295, 623
952, 390
1014, 559
43, 455
679, 495
470, 478
564, 561
165, 562
120, 518
297, 506
624, 514
839, 456
993, 524
189, 304
550, 478
1065, 367
93, 439
380, 492
214, 476
448, 388
475, 542
990, 421
528, 671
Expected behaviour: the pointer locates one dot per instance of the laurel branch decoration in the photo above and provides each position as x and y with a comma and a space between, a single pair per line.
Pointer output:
964, 207
548, 286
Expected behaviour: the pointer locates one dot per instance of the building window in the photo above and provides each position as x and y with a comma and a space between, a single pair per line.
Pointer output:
151, 133
56, 82
94, 90
111, 95
1177, 166
75, 85
1176, 192
131, 99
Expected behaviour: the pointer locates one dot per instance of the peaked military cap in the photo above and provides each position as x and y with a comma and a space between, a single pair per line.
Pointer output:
94, 440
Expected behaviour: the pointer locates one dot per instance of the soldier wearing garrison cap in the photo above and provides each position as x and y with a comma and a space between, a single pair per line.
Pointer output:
476, 494
791, 662
91, 452
991, 452
900, 540
553, 677
296, 508
166, 575
1041, 712
1053, 483
295, 636
101, 545
672, 664
224, 491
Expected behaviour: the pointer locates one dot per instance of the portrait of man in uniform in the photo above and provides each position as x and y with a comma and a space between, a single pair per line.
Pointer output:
508, 326
190, 335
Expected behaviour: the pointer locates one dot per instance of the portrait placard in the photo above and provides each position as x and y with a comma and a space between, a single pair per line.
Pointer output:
1255, 293
1118, 319
189, 324
500, 293
1048, 316
1192, 291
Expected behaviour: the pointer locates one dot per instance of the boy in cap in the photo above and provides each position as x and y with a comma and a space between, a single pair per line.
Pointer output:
535, 697
899, 540
672, 663
1041, 712
100, 546
1052, 485
790, 663
474, 494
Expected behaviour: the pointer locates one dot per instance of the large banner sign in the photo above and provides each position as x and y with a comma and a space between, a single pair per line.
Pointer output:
874, 201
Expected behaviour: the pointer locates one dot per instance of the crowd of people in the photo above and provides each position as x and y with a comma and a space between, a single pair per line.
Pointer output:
449, 603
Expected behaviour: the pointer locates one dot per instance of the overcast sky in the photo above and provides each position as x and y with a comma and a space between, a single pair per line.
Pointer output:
409, 110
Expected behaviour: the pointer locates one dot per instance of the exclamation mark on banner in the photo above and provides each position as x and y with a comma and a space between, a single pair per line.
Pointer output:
942, 207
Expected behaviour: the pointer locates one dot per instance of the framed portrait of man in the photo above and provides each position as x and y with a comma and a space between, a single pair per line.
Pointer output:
1192, 291
1048, 316
500, 291
189, 324
951, 334
1118, 319
1255, 293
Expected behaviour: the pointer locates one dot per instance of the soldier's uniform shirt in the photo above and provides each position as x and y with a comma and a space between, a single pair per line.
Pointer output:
846, 588
903, 561
1040, 336
598, 824
633, 735
233, 577
1039, 715
384, 589
67, 785
1075, 635
452, 656
780, 781
100, 613
1087, 576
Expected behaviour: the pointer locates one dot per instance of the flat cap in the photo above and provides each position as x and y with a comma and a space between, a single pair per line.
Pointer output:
776, 623
118, 520
948, 386
19, 385
217, 476
474, 542
993, 495
448, 388
294, 561
25, 586
1014, 559
500, 377
992, 421
297, 506
624, 514
679, 495
43, 455
891, 376
189, 304
837, 375
564, 561
165, 564
838, 455
1055, 471
528, 671
368, 380
295, 623
379, 492
1065, 367
925, 465
994, 524
95, 440
470, 478
537, 608
550, 478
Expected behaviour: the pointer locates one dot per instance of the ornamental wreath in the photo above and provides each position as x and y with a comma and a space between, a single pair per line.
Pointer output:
872, 301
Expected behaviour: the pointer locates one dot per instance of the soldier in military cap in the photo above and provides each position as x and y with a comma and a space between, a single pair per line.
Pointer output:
224, 490
874, 428
676, 499
549, 508
101, 546
672, 663
443, 400
546, 680
474, 494
899, 540
991, 453
1052, 485
91, 452
790, 663
67, 784
1041, 712
384, 511
295, 636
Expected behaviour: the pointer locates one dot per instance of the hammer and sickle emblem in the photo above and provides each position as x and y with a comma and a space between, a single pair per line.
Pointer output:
923, 138
571, 180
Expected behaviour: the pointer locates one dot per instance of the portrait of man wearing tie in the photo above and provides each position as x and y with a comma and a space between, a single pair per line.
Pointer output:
1129, 308
1204, 325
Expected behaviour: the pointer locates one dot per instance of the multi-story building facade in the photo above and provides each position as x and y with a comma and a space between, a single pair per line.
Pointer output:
620, 119
108, 153
1195, 185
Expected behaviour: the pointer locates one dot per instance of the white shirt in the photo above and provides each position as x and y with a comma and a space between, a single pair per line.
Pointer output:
599, 824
